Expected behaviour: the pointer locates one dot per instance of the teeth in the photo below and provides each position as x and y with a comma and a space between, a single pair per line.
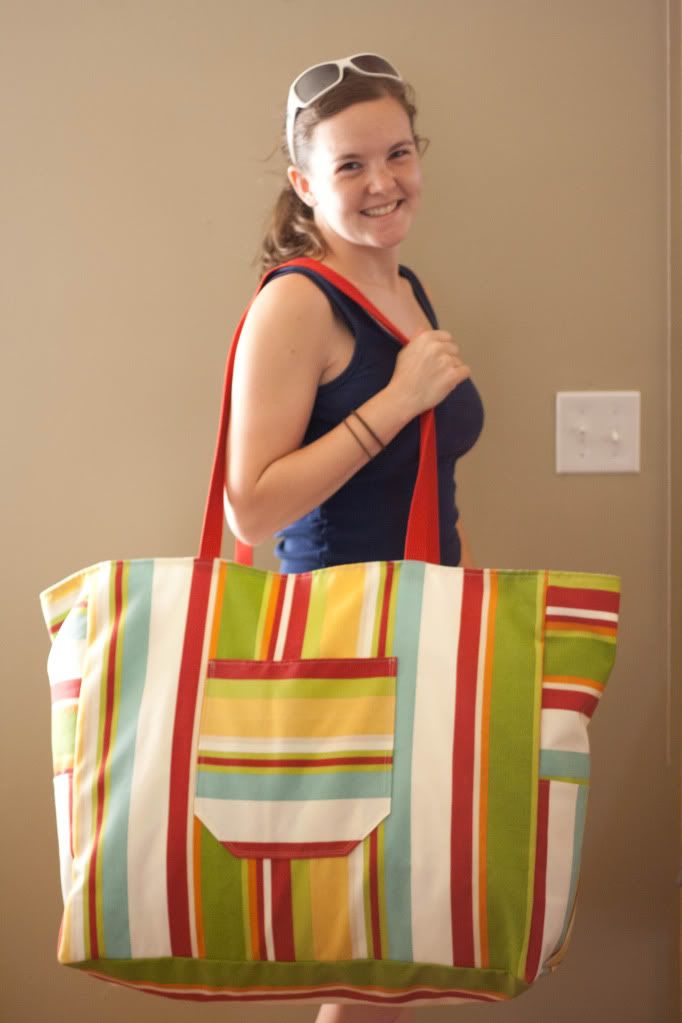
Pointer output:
380, 211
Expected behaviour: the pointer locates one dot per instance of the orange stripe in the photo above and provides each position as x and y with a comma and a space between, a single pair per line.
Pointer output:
604, 630
277, 582
485, 755
198, 909
574, 680
253, 911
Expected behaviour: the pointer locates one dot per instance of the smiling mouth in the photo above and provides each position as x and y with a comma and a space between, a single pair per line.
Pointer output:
383, 211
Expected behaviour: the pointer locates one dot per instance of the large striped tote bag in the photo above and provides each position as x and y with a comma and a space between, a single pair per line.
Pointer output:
366, 783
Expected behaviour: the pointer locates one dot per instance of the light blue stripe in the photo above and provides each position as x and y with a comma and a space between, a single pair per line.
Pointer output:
135, 635
334, 785
397, 846
556, 764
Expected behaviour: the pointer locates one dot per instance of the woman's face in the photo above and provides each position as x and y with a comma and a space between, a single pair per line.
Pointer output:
385, 168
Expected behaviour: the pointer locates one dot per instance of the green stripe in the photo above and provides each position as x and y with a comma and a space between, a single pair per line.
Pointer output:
293, 787
513, 762
557, 764
393, 975
304, 948
299, 688
240, 611
317, 610
585, 580
579, 654
221, 899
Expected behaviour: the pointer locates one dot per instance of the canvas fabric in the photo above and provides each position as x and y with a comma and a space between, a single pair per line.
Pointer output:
363, 783
367, 781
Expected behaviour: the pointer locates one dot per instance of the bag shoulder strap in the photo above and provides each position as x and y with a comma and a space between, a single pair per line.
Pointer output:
422, 540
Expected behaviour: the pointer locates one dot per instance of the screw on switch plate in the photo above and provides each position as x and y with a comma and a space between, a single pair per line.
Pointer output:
597, 431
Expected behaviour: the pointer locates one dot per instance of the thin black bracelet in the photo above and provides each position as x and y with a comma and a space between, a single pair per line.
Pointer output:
369, 455
355, 412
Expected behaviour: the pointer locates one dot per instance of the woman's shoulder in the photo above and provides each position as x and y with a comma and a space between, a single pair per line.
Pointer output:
291, 294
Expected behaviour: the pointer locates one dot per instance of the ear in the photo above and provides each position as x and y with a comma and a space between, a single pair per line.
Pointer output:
301, 185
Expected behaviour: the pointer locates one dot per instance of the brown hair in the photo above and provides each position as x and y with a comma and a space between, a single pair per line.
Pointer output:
291, 230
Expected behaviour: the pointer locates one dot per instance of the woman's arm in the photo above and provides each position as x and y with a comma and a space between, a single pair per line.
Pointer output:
271, 481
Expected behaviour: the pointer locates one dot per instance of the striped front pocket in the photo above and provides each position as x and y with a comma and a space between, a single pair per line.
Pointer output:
295, 757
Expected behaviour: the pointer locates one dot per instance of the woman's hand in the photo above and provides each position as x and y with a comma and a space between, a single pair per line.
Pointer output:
426, 370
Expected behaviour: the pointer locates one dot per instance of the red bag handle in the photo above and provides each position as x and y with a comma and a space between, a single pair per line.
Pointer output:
422, 539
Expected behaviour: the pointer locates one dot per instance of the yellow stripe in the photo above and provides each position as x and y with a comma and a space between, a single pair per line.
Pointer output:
341, 625
295, 718
329, 908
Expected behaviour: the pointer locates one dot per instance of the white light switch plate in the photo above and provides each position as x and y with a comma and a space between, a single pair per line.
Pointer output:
597, 431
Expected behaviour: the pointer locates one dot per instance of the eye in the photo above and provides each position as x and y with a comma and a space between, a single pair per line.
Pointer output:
396, 152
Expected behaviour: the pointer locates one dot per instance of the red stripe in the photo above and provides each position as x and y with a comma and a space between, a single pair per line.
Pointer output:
298, 615
178, 880
461, 895
325, 762
374, 892
68, 689
282, 911
538, 916
277, 617
329, 667
385, 602
289, 850
592, 600
106, 747
562, 699
260, 910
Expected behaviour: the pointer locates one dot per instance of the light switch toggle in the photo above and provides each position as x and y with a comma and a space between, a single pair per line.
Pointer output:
597, 431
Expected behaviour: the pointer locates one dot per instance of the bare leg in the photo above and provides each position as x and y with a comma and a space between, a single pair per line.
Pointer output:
362, 1014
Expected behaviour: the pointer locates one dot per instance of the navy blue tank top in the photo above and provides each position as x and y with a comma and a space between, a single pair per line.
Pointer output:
366, 519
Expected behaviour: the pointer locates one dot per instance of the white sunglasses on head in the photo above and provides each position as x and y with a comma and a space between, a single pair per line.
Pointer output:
320, 78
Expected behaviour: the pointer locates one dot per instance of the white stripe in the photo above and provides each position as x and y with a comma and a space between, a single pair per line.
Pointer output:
356, 902
568, 688
369, 609
560, 833
432, 752
65, 659
85, 755
61, 784
476, 821
66, 702
564, 730
578, 612
267, 910
148, 820
210, 609
286, 614
338, 743
291, 820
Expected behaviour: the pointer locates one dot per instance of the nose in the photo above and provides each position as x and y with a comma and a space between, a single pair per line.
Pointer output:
381, 179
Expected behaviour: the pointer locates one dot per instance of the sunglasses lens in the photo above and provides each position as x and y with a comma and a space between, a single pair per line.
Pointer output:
315, 80
375, 65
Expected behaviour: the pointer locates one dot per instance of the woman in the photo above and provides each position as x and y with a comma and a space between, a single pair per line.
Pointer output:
323, 444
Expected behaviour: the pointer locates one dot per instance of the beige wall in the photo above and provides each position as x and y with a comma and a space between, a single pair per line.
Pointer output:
134, 191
